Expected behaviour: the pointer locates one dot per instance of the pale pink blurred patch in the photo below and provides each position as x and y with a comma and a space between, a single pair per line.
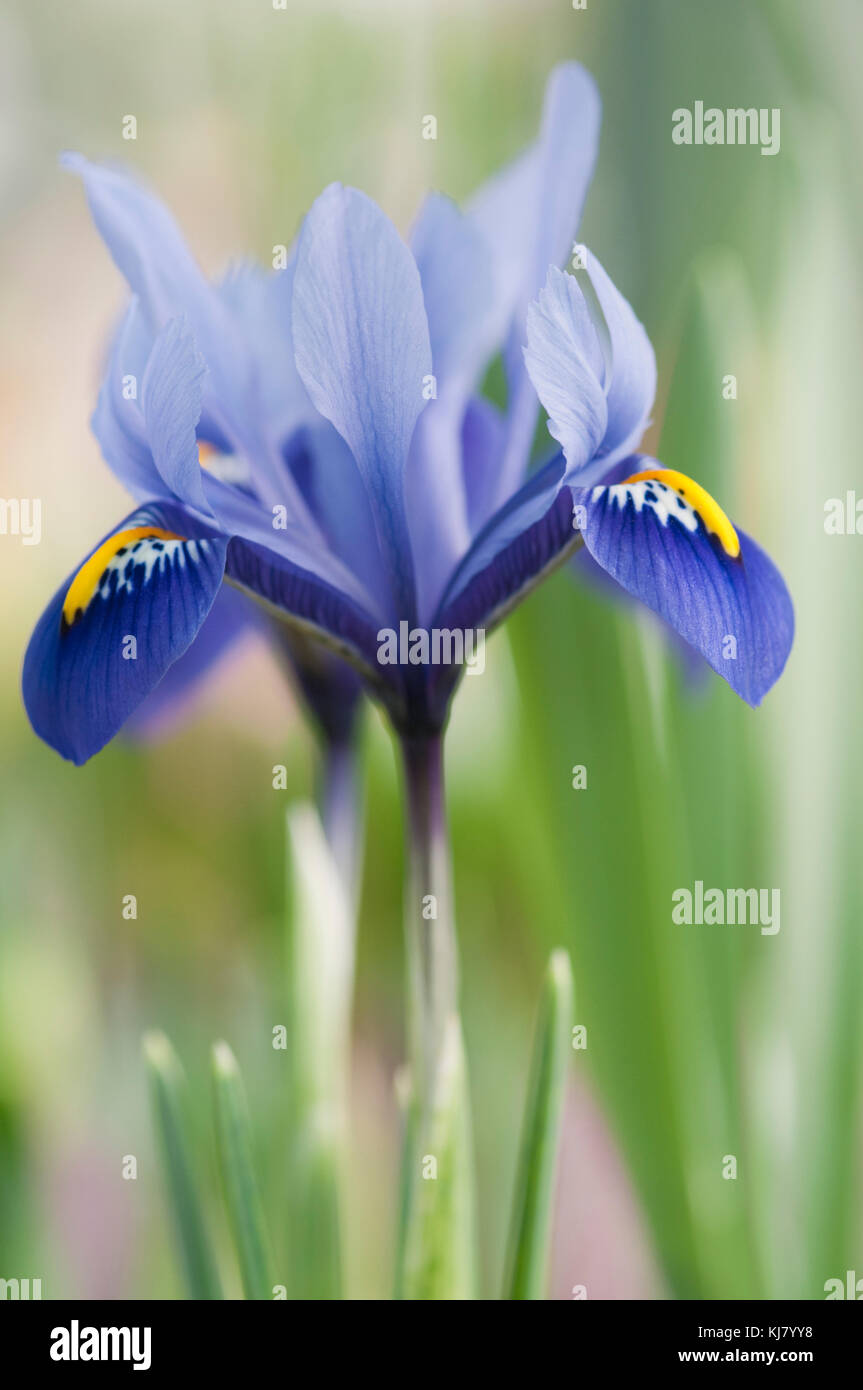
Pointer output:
601, 1238
95, 1218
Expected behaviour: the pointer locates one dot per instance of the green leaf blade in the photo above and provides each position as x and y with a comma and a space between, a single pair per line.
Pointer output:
242, 1198
320, 931
440, 1245
530, 1231
166, 1084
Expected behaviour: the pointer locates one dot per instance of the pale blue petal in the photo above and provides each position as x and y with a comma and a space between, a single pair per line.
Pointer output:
564, 360
362, 348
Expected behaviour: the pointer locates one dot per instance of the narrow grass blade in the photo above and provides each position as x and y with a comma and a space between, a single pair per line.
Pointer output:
530, 1232
166, 1083
440, 1253
320, 937
241, 1189
407, 1111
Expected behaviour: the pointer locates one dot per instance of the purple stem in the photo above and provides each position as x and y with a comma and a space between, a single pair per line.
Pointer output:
432, 962
340, 812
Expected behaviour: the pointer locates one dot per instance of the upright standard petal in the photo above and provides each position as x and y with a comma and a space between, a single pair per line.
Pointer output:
260, 301
159, 437
666, 541
147, 419
503, 212
117, 421
171, 407
149, 250
630, 372
458, 289
568, 145
483, 439
116, 625
362, 348
596, 378
530, 211
327, 475
458, 292
564, 359
529, 215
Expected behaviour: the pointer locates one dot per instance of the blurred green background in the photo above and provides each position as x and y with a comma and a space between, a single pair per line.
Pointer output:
702, 1042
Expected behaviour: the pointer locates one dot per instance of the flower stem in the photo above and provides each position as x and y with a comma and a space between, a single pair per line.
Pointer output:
340, 812
320, 963
429, 927
436, 1253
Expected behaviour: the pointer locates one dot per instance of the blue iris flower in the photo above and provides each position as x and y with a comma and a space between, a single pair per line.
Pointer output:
357, 483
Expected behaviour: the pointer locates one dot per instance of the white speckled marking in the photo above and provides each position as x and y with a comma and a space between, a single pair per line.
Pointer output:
149, 555
663, 500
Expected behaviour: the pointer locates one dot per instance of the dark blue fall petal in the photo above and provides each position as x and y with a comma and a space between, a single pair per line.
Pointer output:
115, 627
587, 571
232, 617
493, 566
305, 603
239, 513
679, 559
523, 542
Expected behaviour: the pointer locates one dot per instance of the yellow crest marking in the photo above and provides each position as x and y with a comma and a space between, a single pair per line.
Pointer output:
699, 500
86, 581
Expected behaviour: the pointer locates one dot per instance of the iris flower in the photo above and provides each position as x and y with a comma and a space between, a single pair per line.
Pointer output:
316, 441
277, 475
357, 482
